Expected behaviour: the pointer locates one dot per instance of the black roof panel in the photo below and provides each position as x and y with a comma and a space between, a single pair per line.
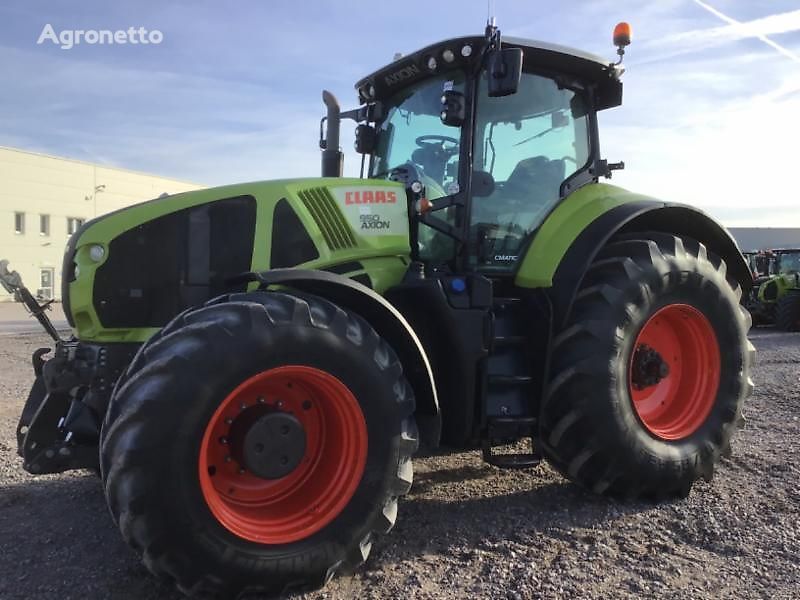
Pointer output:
538, 55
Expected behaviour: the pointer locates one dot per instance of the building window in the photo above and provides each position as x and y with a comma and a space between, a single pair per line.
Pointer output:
74, 223
19, 222
44, 224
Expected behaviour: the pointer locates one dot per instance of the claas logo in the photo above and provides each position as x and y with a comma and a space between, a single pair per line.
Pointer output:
370, 197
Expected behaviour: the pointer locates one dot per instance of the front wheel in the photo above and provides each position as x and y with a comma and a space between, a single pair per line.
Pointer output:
649, 375
787, 313
258, 445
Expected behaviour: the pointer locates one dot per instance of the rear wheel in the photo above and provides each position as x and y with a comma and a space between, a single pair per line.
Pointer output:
257, 445
649, 375
787, 313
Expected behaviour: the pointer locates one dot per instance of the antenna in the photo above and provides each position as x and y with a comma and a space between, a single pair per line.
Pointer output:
492, 33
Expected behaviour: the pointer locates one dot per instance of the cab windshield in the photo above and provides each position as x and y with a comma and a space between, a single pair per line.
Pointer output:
413, 132
529, 143
789, 263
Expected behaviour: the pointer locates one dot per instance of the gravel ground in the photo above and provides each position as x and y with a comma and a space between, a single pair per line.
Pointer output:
468, 529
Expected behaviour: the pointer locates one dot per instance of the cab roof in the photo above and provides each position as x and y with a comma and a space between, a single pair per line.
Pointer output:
538, 56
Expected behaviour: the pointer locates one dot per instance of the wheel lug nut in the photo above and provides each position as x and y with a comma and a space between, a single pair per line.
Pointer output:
228, 459
228, 421
223, 440
243, 406
261, 400
241, 471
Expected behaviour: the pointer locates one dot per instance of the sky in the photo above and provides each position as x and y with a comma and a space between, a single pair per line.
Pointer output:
710, 117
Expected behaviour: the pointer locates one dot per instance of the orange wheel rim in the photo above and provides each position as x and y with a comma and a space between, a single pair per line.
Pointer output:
674, 371
294, 506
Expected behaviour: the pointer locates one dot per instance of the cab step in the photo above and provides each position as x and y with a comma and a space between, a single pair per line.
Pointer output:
512, 461
495, 379
509, 340
500, 432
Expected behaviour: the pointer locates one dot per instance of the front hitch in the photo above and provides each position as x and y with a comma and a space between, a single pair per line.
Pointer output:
12, 282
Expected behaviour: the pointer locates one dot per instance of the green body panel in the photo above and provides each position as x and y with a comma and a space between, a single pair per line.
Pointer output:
563, 225
784, 283
384, 256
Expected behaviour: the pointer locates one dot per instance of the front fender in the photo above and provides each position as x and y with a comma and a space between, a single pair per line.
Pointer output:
385, 319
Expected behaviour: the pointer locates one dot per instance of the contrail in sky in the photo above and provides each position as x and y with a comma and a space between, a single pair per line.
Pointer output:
730, 21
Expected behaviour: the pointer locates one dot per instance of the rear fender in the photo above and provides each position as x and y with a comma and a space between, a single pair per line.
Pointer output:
591, 216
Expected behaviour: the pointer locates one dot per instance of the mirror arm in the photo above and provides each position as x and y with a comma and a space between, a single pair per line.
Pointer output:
357, 114
446, 202
441, 225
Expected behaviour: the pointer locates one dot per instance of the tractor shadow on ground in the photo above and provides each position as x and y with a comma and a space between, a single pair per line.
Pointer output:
57, 531
425, 482
452, 521
57, 540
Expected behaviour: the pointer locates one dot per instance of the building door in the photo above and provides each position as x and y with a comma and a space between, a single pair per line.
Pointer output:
45, 290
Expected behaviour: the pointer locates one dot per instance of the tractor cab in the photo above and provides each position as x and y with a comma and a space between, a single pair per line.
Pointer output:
787, 262
496, 133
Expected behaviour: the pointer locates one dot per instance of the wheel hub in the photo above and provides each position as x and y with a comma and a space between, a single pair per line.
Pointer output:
268, 443
648, 367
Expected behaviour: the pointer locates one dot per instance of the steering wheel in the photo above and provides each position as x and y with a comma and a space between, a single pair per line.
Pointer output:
431, 140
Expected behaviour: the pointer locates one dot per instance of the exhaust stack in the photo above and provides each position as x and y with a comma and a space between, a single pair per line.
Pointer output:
332, 157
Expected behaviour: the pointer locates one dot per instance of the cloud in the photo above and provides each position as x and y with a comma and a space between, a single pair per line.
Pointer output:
733, 162
702, 39
195, 127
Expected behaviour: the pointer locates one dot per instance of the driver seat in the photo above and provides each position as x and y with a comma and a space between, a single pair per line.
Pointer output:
432, 158
537, 178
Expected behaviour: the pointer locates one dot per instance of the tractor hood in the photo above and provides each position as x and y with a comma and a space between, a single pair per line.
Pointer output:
140, 266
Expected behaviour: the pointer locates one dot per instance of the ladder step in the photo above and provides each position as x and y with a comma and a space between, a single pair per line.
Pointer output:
510, 379
499, 428
512, 461
510, 340
505, 301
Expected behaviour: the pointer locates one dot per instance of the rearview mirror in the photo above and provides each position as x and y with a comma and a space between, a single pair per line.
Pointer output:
366, 137
505, 72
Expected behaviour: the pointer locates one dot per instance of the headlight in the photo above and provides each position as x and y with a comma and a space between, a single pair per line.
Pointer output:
97, 252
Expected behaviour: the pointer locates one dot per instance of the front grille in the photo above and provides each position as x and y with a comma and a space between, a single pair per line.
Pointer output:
160, 267
335, 230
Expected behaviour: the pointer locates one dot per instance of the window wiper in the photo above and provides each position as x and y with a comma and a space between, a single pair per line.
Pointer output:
538, 135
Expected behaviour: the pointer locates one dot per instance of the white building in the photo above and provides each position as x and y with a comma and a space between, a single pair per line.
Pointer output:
44, 199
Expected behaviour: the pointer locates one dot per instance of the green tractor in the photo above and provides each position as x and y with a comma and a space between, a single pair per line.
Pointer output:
252, 367
775, 295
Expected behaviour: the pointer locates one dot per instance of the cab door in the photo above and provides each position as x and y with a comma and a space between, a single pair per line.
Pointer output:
527, 144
